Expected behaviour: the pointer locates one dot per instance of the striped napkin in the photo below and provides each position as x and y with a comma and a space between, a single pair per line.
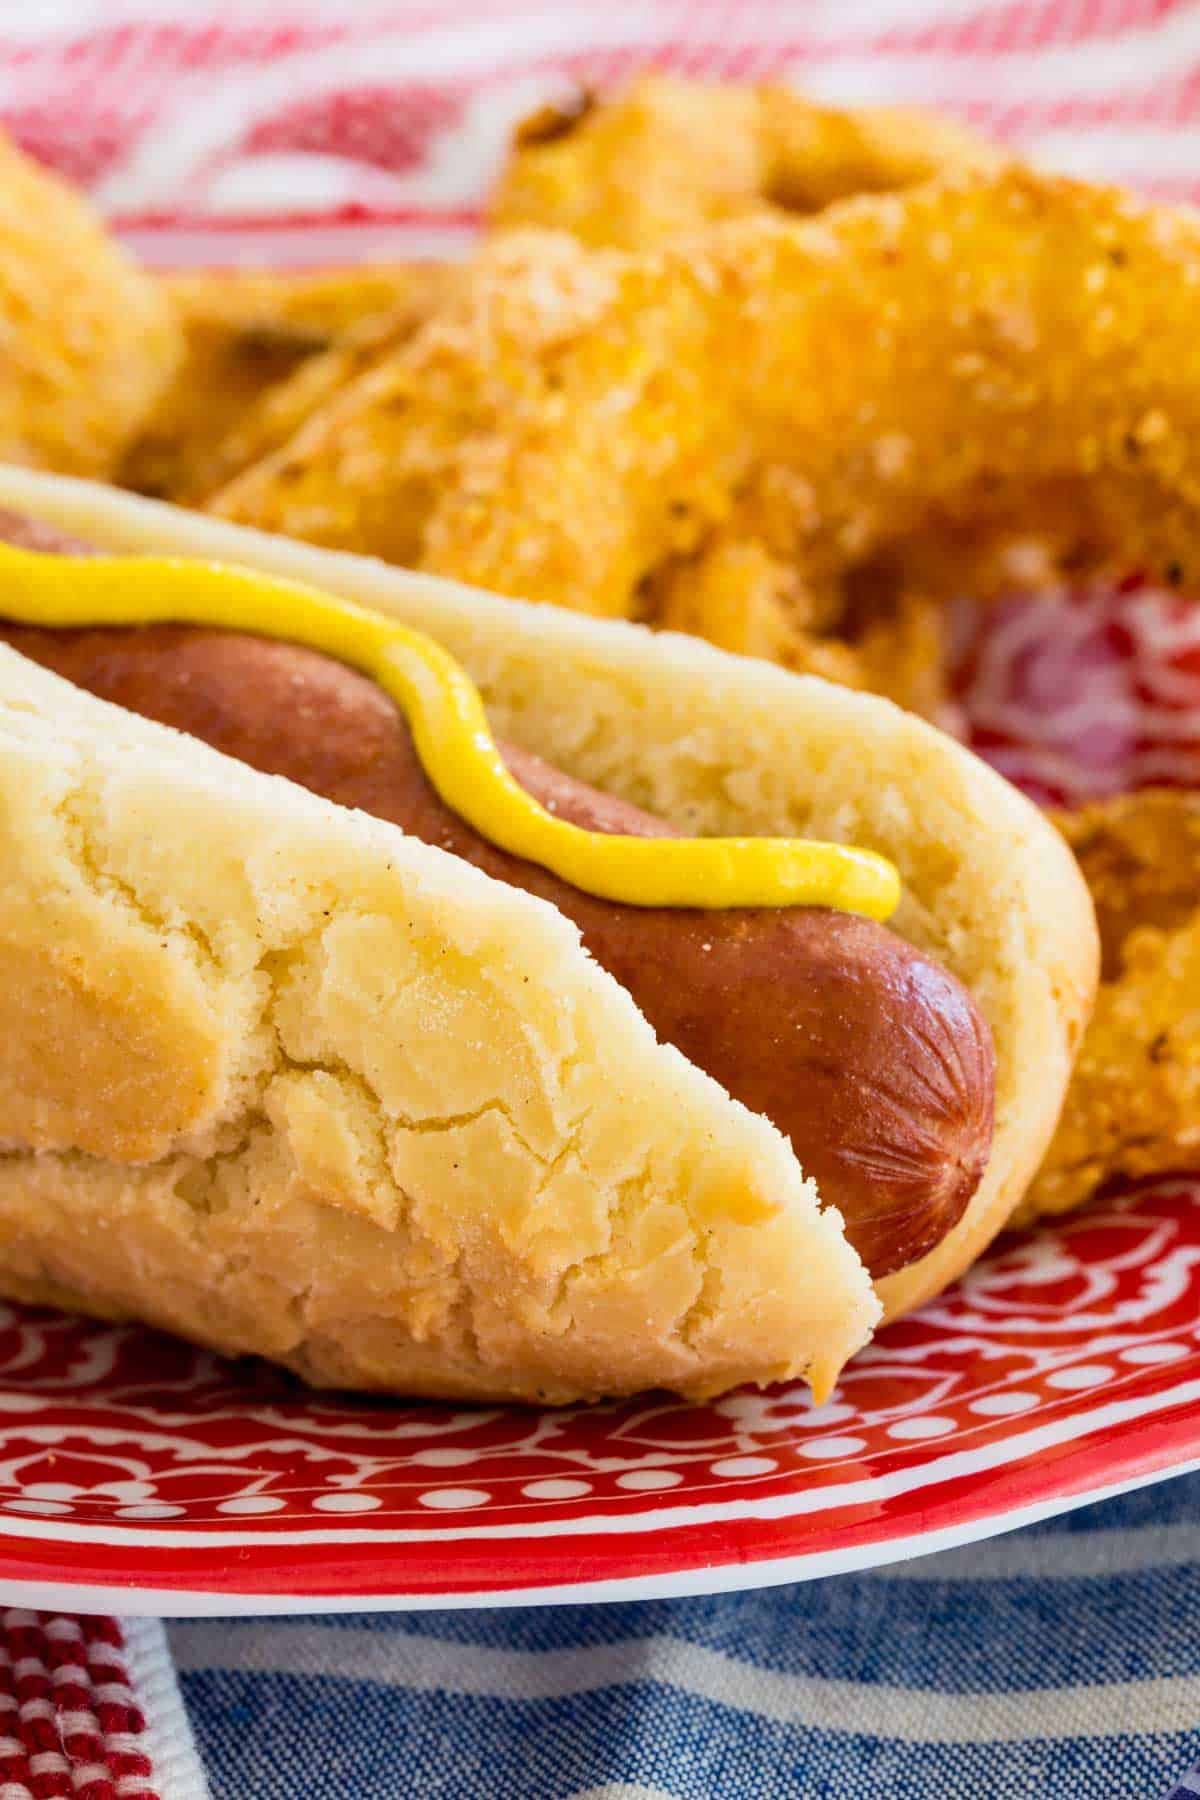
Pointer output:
1061, 1661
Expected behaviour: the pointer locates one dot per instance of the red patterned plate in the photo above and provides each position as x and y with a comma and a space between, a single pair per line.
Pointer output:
136, 1473
139, 1474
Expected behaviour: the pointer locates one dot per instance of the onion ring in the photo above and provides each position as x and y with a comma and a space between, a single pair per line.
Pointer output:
89, 340
1134, 1099
667, 157
252, 337
1014, 350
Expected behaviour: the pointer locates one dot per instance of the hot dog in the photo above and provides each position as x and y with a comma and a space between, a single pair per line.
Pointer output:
284, 1078
871, 1058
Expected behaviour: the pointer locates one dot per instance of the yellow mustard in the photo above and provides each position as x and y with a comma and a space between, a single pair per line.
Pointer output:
450, 731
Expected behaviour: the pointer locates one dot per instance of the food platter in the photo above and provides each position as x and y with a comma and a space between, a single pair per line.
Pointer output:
139, 1474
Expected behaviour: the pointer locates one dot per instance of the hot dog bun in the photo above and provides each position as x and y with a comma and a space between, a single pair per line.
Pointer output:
869, 1056
292, 1083
631, 1224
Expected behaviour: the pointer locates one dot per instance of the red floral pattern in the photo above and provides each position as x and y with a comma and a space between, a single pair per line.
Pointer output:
1086, 694
126, 1439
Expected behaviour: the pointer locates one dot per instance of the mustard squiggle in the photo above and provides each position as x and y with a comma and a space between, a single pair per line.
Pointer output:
445, 713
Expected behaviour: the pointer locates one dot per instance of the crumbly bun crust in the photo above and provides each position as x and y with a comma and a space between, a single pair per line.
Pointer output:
384, 1121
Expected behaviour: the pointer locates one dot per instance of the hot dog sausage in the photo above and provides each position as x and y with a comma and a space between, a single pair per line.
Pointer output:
871, 1057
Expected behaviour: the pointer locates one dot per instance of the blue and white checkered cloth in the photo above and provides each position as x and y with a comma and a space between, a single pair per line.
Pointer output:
1059, 1663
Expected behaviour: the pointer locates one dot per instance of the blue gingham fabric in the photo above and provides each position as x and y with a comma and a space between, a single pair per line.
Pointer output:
1061, 1662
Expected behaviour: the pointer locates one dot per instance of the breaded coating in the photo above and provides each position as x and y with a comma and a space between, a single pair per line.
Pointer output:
283, 406
971, 355
737, 596
701, 153
663, 159
669, 157
88, 341
246, 331
1133, 1106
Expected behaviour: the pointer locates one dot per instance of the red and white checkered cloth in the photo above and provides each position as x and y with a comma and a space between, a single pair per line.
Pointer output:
293, 129
90, 1710
298, 131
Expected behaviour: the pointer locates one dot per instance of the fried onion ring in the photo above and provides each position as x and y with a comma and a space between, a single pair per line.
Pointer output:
251, 337
1011, 351
89, 341
667, 157
1133, 1105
